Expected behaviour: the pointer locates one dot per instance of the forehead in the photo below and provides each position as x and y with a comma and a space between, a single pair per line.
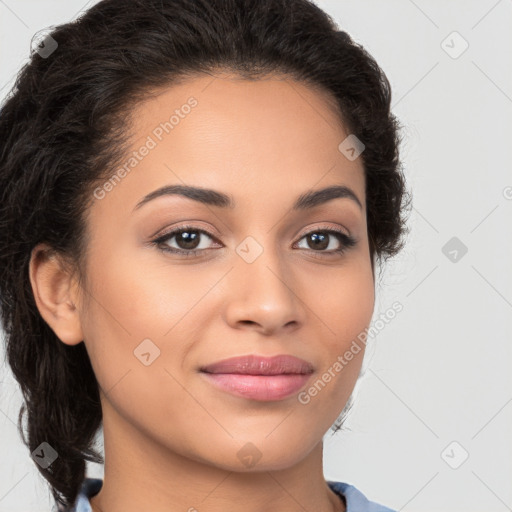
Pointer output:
270, 137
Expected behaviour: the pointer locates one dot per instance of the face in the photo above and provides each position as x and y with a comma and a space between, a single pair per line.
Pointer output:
258, 277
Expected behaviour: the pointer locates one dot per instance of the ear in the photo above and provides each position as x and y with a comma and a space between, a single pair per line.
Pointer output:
54, 293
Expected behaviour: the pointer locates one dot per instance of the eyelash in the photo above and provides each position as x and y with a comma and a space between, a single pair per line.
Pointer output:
346, 241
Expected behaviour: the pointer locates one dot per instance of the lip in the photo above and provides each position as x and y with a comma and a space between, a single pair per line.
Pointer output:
258, 377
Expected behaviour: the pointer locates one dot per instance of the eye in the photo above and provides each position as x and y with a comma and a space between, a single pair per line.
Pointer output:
321, 239
190, 241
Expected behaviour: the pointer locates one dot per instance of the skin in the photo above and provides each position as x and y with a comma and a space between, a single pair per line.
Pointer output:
171, 439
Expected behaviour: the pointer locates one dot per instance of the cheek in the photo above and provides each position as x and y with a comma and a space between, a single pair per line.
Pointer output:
347, 310
140, 298
135, 297
346, 304
132, 302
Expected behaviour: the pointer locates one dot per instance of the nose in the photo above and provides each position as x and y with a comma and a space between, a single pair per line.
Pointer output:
263, 295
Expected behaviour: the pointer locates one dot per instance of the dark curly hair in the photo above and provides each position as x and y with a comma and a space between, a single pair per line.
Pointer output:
65, 125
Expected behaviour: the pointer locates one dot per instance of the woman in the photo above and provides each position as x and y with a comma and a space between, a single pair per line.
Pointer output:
195, 194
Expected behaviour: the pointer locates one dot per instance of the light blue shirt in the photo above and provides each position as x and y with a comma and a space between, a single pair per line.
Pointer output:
355, 499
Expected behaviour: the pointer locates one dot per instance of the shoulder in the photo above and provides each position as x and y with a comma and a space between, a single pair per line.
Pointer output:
89, 488
355, 499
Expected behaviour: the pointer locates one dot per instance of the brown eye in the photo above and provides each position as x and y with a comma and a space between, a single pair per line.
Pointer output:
321, 239
188, 241
192, 241
318, 240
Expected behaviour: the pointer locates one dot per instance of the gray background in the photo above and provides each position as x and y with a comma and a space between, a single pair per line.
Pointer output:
438, 386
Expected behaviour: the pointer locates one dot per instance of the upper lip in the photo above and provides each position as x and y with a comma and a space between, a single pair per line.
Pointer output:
260, 365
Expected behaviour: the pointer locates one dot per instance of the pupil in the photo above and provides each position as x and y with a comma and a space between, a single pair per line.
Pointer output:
320, 240
188, 240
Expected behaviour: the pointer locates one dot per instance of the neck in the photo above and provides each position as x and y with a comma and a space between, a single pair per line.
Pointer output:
141, 474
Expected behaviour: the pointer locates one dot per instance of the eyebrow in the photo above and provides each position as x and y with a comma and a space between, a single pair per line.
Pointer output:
215, 198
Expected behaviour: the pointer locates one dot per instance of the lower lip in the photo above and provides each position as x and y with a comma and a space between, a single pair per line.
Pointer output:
258, 387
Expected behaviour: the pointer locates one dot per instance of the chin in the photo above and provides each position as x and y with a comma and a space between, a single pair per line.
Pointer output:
260, 454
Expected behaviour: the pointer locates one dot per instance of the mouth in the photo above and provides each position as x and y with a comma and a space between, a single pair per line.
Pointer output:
259, 378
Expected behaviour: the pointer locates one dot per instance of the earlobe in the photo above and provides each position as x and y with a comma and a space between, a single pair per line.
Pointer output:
52, 289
